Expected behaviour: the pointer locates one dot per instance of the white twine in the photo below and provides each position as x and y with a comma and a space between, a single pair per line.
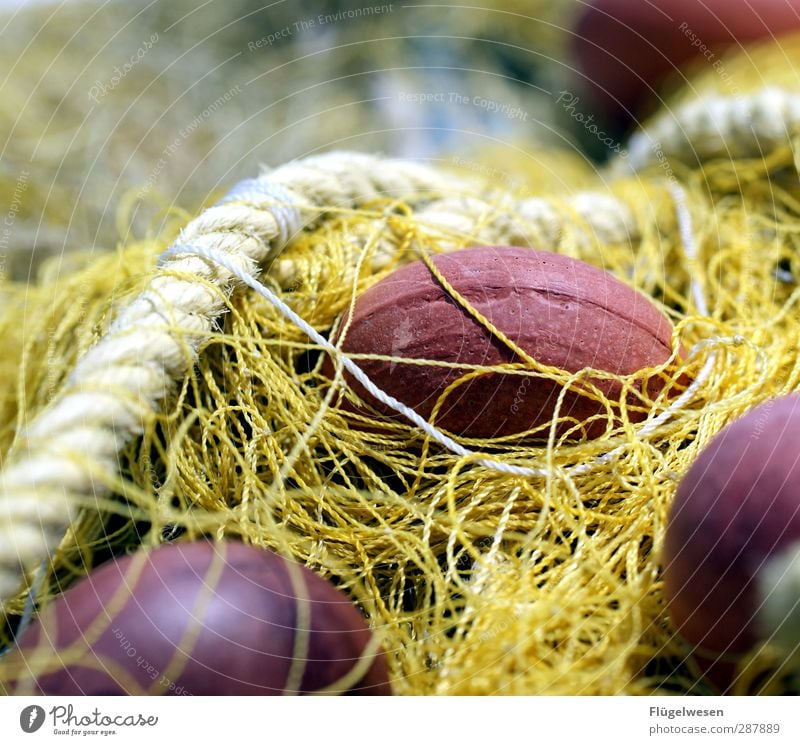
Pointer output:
690, 250
689, 244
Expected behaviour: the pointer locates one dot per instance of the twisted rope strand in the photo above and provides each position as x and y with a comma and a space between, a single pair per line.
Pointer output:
747, 126
506, 220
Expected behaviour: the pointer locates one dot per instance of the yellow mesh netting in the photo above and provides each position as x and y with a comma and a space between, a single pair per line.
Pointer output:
474, 581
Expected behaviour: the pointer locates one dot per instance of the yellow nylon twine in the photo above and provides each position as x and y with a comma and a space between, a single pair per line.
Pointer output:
474, 581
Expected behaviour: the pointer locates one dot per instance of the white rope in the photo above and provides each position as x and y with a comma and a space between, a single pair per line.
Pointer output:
283, 204
713, 126
689, 244
504, 220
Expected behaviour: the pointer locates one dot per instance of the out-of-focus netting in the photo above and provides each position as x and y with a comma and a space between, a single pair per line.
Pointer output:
151, 104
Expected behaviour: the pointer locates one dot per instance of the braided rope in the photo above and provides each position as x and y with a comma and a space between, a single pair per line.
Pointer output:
535, 221
733, 127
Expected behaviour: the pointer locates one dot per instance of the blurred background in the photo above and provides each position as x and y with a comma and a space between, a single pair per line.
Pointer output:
114, 113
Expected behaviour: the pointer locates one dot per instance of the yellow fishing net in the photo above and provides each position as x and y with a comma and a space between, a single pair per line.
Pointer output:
475, 581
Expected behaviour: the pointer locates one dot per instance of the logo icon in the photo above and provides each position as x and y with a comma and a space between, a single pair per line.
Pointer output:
32, 718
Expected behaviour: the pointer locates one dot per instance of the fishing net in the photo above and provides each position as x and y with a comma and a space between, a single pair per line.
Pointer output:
501, 566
